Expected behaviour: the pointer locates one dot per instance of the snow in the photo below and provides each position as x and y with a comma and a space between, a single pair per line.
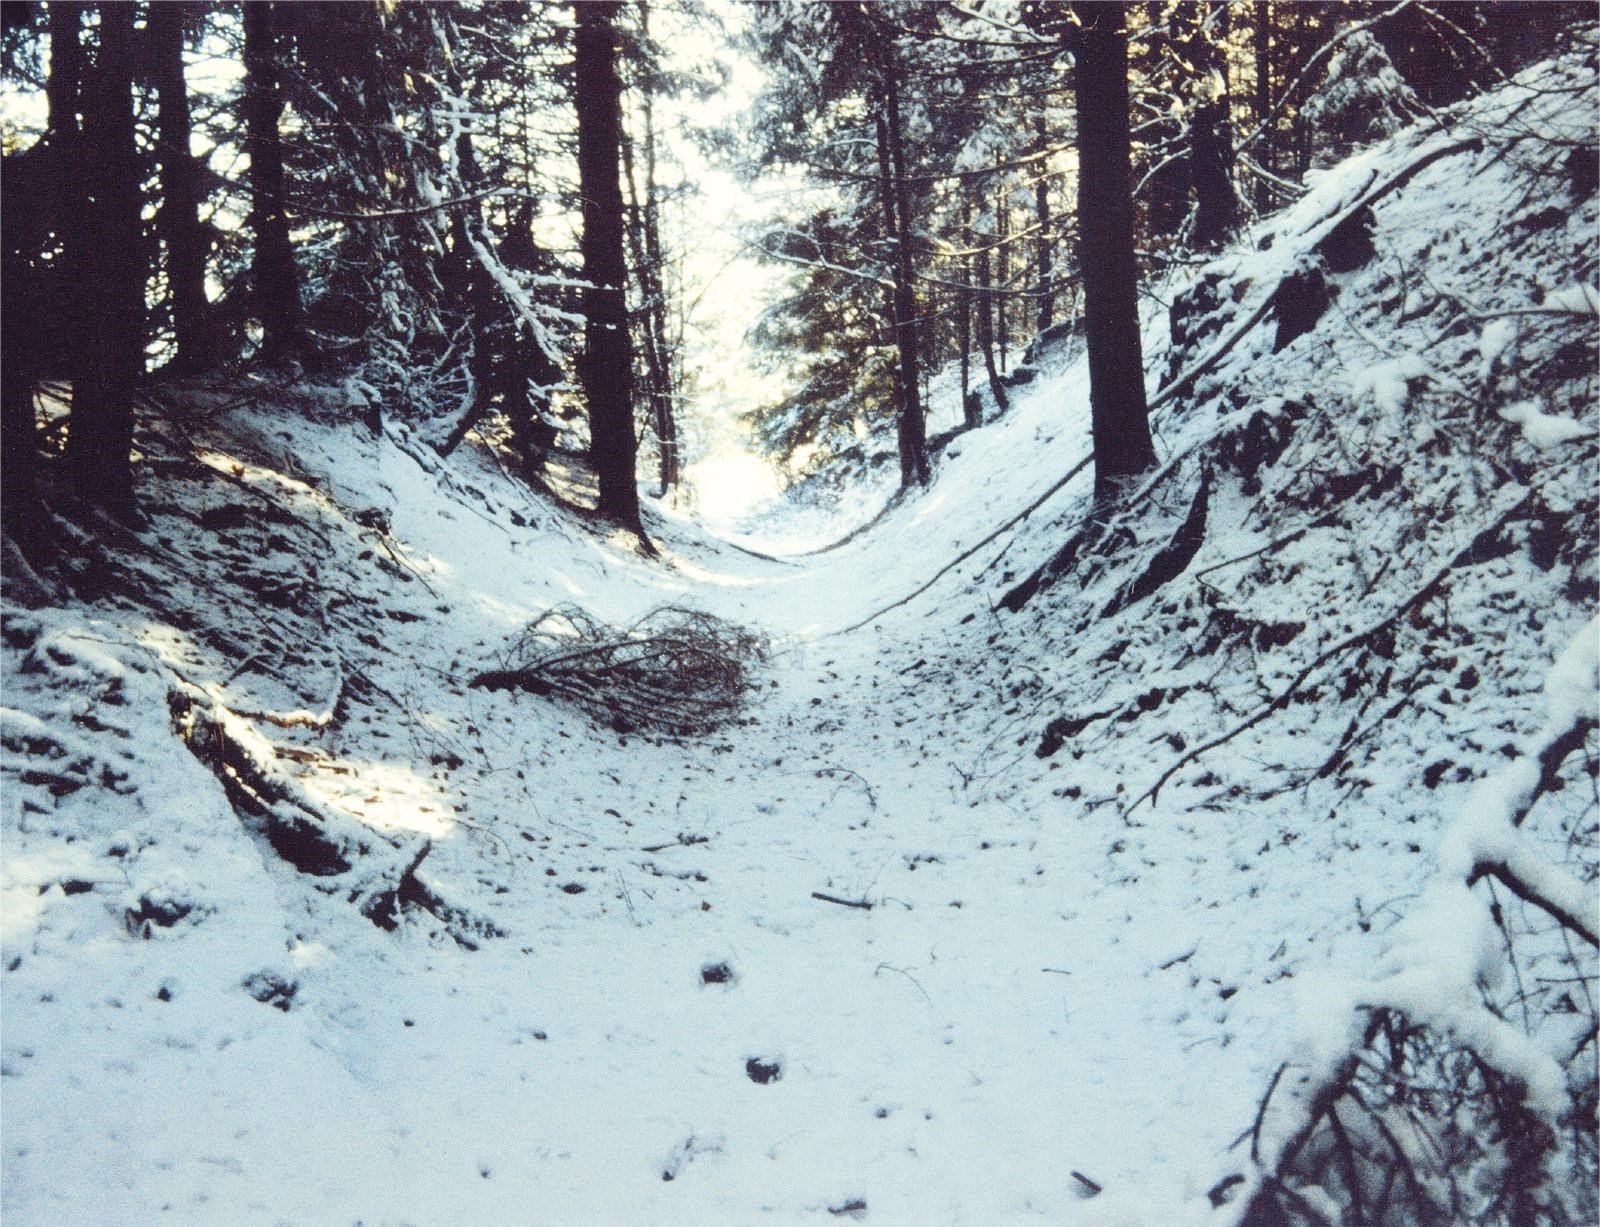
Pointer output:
1051, 979
1492, 342
1388, 383
1543, 430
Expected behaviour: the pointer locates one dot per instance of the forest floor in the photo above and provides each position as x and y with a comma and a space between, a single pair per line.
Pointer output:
301, 927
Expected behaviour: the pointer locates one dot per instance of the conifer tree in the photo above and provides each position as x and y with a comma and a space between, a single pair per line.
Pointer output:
1122, 446
606, 366
111, 349
276, 279
178, 218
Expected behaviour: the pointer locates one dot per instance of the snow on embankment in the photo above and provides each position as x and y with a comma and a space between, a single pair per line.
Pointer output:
1303, 639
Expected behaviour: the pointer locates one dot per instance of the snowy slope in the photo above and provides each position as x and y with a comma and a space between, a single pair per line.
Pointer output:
608, 992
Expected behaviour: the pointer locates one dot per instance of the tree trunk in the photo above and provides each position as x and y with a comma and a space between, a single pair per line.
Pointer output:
1267, 145
986, 326
179, 218
100, 430
895, 198
1211, 138
1118, 408
69, 189
1002, 258
665, 390
606, 366
22, 513
277, 281
25, 233
1045, 244
644, 243
969, 408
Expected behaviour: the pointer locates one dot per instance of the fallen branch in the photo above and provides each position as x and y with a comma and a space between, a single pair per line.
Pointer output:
863, 904
679, 671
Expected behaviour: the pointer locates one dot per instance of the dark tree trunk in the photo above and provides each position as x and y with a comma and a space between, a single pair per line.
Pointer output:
664, 393
986, 325
1267, 145
51, 201
1045, 244
100, 430
1300, 131
528, 373
1002, 258
22, 513
1211, 174
969, 406
606, 366
277, 281
895, 199
68, 190
644, 242
179, 217
1211, 137
1118, 408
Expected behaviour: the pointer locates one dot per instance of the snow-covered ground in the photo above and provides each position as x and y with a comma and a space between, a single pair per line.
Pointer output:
637, 980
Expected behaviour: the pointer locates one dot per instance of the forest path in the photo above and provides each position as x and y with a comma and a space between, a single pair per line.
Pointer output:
831, 954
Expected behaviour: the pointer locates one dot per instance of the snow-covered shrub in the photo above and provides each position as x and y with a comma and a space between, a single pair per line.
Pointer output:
1361, 98
1455, 1084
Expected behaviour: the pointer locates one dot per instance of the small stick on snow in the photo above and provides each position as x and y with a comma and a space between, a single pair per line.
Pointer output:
860, 903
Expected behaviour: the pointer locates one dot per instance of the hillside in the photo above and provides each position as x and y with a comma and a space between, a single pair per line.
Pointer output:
1050, 870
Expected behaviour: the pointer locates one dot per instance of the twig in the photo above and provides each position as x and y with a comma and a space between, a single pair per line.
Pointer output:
1261, 1114
1528, 894
863, 904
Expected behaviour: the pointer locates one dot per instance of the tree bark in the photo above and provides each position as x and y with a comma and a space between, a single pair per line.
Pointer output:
100, 429
1211, 175
55, 205
1002, 259
986, 326
179, 218
276, 279
895, 199
644, 243
22, 513
1267, 150
606, 366
1045, 244
969, 409
1210, 135
665, 390
1118, 409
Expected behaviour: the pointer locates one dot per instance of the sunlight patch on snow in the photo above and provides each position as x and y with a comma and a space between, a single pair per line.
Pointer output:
693, 570
233, 466
566, 581
310, 954
385, 796
511, 615
929, 508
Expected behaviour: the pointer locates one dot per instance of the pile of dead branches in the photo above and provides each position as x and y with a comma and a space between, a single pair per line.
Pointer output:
676, 671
